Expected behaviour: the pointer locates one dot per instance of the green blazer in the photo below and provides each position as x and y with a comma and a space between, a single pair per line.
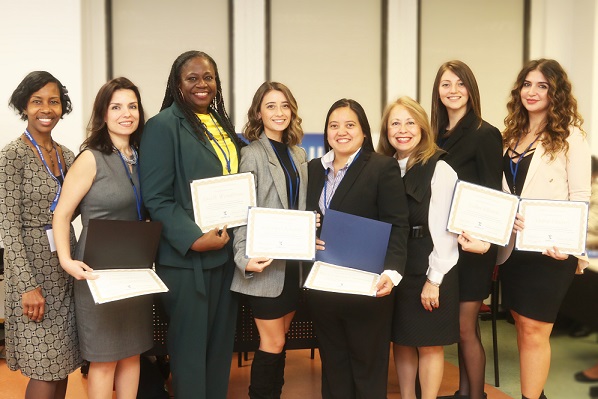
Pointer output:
171, 156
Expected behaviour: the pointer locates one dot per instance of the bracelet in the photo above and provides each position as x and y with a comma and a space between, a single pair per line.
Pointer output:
432, 283
486, 250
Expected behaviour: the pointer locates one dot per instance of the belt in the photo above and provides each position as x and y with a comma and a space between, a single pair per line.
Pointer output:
418, 231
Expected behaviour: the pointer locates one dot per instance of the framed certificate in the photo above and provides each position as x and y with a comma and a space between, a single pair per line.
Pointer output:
345, 280
117, 284
223, 200
551, 223
281, 234
484, 213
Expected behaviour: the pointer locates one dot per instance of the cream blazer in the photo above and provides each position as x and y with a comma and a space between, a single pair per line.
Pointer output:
566, 177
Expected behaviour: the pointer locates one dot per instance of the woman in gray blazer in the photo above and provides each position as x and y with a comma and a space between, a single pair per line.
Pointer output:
272, 285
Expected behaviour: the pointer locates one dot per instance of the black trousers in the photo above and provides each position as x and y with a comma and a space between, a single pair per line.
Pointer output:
354, 337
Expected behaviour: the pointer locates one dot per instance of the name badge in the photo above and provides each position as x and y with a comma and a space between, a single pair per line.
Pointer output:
50, 234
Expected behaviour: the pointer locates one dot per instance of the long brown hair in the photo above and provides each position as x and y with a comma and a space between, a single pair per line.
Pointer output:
426, 148
562, 108
292, 135
98, 137
439, 113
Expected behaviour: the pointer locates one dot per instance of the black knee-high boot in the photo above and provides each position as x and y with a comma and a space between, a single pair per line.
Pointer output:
263, 373
279, 378
542, 396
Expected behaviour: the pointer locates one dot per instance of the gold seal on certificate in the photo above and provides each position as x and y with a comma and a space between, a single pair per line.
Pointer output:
117, 284
223, 200
551, 223
281, 234
482, 212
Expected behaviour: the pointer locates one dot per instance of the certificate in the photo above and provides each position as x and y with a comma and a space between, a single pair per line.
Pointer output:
550, 223
117, 284
281, 234
484, 213
345, 280
223, 200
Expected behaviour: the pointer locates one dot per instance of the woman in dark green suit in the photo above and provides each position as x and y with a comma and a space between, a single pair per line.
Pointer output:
192, 138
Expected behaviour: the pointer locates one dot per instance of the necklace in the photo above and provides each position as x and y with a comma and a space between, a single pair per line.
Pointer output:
49, 151
128, 161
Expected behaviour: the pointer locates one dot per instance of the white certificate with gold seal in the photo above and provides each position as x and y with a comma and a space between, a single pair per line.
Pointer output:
223, 200
281, 234
117, 284
344, 280
552, 223
484, 213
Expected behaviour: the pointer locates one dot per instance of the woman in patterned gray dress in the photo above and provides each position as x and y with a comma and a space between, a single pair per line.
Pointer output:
104, 184
41, 336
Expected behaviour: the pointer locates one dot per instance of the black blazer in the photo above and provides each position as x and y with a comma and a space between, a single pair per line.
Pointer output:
371, 188
475, 153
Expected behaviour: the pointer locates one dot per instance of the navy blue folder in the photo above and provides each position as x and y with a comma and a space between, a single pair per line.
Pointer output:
354, 241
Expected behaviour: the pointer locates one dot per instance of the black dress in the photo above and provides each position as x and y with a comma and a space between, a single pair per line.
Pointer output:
533, 284
412, 324
475, 153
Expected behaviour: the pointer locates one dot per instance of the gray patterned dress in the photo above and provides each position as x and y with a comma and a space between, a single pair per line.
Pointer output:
115, 330
46, 350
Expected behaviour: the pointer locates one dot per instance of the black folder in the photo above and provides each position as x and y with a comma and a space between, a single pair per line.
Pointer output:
121, 244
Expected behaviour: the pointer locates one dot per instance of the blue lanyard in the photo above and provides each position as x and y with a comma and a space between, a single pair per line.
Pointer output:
41, 155
138, 199
293, 193
211, 136
327, 201
515, 166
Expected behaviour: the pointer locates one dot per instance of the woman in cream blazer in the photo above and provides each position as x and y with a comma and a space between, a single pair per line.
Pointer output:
546, 157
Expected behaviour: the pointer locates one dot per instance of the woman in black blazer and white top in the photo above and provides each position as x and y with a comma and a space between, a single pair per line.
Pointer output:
272, 286
475, 152
354, 331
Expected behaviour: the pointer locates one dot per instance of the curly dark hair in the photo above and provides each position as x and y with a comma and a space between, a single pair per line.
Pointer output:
98, 137
33, 82
174, 95
292, 135
362, 118
562, 108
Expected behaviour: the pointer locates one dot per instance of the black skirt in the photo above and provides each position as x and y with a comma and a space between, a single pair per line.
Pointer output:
534, 285
413, 325
274, 308
475, 274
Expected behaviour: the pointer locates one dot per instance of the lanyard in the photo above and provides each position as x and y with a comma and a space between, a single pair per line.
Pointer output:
138, 199
294, 193
41, 155
515, 166
211, 136
326, 200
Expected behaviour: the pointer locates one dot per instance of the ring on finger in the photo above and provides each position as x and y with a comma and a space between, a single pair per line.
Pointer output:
433, 303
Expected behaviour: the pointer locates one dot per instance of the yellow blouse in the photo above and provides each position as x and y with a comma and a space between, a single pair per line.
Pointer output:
222, 143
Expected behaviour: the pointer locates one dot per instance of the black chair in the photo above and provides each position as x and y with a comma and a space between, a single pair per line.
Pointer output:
493, 315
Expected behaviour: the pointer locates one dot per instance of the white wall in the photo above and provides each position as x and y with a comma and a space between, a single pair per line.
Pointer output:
568, 32
38, 36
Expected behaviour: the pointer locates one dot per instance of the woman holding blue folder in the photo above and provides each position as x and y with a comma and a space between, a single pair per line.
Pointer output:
426, 315
354, 331
104, 184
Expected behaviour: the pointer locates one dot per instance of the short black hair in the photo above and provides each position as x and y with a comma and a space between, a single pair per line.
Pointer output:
362, 118
33, 82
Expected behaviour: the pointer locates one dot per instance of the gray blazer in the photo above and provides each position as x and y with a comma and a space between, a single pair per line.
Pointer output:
271, 191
